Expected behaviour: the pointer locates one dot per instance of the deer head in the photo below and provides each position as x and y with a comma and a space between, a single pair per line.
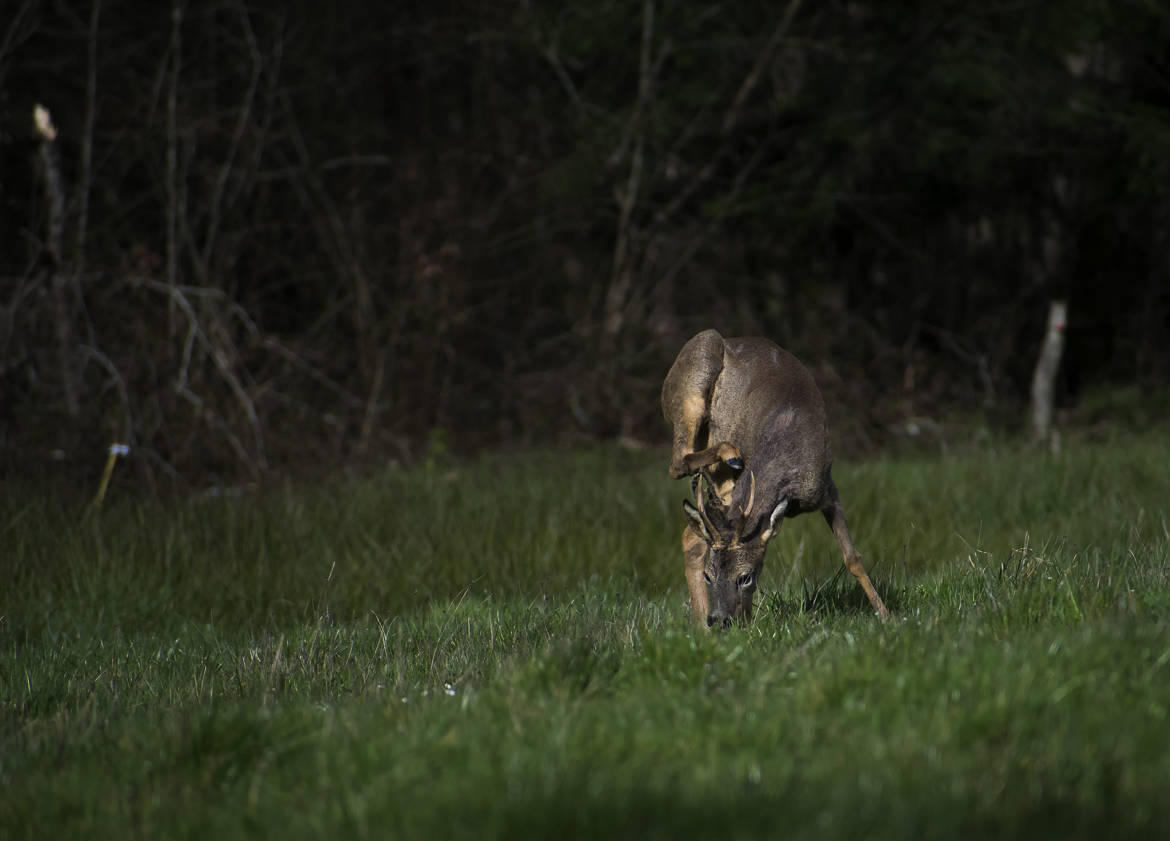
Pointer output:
736, 542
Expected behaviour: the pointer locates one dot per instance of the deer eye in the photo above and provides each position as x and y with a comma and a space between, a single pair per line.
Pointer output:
746, 580
707, 577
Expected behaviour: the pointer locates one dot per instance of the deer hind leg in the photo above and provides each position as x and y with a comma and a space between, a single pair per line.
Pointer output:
724, 452
686, 432
686, 396
835, 517
695, 555
722, 464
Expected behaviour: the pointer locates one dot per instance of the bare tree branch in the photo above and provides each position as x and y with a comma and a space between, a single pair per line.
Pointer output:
732, 115
243, 117
21, 26
84, 187
116, 378
173, 187
621, 272
222, 355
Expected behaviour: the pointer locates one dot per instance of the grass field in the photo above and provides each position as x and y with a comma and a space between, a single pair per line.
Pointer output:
501, 649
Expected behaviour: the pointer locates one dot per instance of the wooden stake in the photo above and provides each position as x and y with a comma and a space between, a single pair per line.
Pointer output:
115, 451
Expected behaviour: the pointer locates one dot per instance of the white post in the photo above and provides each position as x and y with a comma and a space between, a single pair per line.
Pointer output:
1044, 378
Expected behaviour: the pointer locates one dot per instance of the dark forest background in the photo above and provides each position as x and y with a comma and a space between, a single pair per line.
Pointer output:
293, 236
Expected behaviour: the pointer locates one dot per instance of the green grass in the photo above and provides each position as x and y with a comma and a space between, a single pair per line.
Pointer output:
501, 649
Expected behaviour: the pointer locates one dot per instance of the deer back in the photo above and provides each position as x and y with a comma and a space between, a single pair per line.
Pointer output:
762, 399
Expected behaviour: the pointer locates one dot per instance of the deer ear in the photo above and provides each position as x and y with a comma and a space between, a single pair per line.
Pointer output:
777, 513
696, 520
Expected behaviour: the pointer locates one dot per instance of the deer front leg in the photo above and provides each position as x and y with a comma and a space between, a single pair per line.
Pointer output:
835, 517
695, 553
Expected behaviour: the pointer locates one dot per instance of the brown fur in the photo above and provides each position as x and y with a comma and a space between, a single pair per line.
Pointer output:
749, 417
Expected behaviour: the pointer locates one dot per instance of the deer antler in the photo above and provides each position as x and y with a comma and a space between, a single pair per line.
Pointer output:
699, 491
751, 493
747, 509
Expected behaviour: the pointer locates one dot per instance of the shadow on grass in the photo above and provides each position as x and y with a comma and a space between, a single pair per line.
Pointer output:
596, 809
838, 595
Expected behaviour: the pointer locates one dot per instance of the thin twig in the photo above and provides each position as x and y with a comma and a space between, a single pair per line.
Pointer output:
119, 383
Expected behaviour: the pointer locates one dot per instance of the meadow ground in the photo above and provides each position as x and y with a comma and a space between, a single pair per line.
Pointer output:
501, 649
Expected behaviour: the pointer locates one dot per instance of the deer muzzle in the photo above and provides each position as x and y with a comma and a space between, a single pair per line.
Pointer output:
729, 602
717, 621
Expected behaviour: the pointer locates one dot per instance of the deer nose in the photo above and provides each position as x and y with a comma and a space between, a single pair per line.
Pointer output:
716, 620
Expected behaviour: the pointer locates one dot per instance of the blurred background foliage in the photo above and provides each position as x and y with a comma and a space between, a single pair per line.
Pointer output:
299, 236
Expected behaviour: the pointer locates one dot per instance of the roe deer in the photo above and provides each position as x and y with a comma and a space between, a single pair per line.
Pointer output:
749, 422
